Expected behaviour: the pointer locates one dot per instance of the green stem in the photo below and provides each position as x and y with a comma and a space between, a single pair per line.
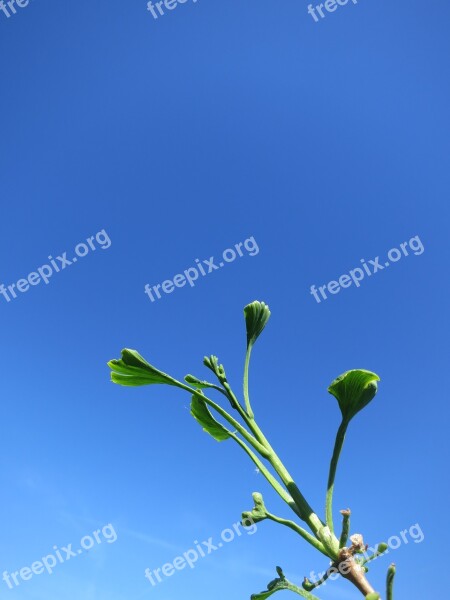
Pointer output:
297, 502
340, 437
306, 513
295, 498
375, 555
281, 583
305, 535
309, 585
300, 500
305, 509
390, 582
345, 528
267, 474
262, 445
223, 413
228, 393
248, 407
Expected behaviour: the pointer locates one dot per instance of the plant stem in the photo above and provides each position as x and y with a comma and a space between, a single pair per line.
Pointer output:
248, 407
309, 586
353, 572
390, 582
305, 512
284, 474
223, 413
267, 474
340, 437
296, 500
375, 555
228, 393
345, 527
305, 535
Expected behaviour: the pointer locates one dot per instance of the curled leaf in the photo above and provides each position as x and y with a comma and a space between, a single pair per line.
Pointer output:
203, 416
354, 390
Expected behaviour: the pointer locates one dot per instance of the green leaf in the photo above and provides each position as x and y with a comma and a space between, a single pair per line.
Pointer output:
256, 316
354, 390
203, 416
279, 584
129, 381
132, 369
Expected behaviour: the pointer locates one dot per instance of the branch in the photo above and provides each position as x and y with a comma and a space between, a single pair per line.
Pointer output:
340, 437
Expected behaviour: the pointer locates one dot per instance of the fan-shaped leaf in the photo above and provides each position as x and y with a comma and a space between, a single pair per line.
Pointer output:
354, 390
132, 369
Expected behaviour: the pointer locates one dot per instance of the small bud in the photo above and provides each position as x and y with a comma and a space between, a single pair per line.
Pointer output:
258, 500
256, 316
382, 548
357, 543
212, 362
259, 512
308, 585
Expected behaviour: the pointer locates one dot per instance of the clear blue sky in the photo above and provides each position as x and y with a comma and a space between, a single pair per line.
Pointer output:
180, 137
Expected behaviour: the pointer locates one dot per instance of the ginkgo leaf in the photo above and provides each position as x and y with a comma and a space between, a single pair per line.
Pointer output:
354, 390
132, 369
203, 416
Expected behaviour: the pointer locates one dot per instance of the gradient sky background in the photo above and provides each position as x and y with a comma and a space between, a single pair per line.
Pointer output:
180, 137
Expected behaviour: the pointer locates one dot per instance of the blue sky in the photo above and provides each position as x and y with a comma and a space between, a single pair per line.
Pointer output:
180, 137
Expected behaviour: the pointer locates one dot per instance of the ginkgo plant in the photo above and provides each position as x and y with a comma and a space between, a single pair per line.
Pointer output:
347, 554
